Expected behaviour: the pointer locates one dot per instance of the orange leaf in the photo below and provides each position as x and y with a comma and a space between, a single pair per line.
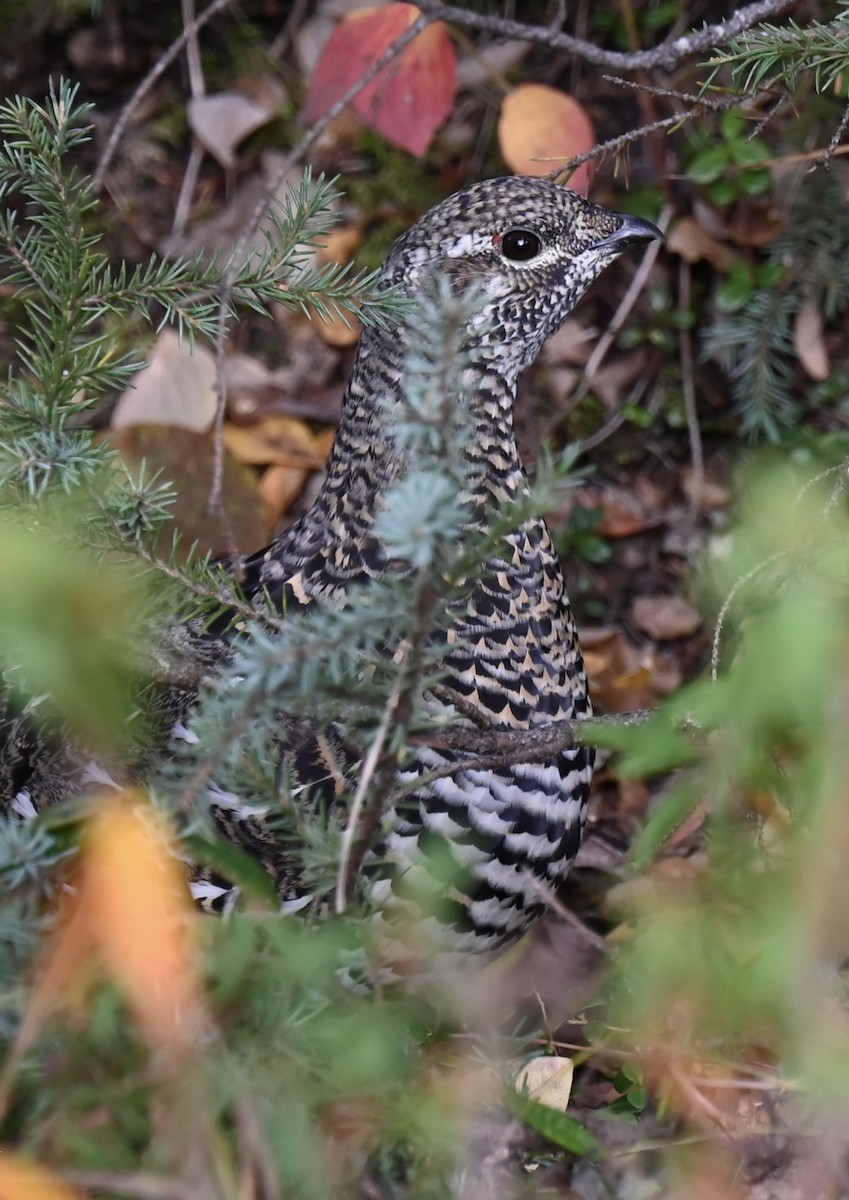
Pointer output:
137, 902
540, 127
410, 98
22, 1179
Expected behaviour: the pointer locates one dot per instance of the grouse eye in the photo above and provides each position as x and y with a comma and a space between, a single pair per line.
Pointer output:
520, 245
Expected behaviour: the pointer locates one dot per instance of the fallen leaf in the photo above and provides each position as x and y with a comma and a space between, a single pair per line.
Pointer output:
694, 244
623, 676
547, 1080
410, 98
540, 126
135, 895
619, 519
706, 492
23, 1179
279, 439
809, 340
177, 387
665, 618
223, 121
186, 459
280, 488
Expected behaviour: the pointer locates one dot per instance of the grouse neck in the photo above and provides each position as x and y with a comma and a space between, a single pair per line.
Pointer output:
365, 455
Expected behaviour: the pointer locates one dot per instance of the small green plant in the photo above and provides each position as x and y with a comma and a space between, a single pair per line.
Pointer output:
726, 168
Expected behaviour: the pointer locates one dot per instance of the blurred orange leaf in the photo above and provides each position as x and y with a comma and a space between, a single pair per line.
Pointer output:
410, 98
22, 1179
135, 897
286, 441
540, 126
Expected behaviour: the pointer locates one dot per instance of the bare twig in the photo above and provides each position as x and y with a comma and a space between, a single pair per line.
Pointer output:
156, 72
485, 749
688, 387
369, 767
132, 1183
667, 55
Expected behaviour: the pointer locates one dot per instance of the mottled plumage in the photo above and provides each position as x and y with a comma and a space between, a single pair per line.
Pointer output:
510, 834
533, 248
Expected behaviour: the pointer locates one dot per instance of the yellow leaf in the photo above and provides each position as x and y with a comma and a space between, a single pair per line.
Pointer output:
548, 1081
540, 127
135, 896
279, 439
21, 1179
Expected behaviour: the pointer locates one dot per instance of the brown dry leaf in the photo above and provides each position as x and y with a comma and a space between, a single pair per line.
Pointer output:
665, 618
624, 676
666, 884
809, 340
135, 895
223, 121
280, 488
279, 439
547, 1080
621, 519
693, 242
755, 223
540, 126
23, 1179
707, 492
337, 330
612, 381
177, 387
186, 458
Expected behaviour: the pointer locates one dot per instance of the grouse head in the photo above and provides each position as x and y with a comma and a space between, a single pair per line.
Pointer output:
530, 246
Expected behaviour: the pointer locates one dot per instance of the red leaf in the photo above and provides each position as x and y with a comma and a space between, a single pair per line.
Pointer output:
411, 97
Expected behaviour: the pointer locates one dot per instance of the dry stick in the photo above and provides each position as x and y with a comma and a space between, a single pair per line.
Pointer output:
634, 397
486, 749
370, 763
667, 55
198, 89
688, 387
132, 1183
156, 72
255, 220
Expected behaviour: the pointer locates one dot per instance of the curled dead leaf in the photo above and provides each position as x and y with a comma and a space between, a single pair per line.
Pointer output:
539, 127
694, 244
665, 618
277, 439
221, 122
177, 387
809, 340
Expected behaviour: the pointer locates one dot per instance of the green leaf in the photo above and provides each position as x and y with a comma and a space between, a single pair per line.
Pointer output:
723, 191
562, 1130
709, 165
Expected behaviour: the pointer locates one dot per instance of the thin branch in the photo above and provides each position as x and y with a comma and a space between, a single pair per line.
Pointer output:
369, 767
157, 70
688, 387
485, 749
667, 55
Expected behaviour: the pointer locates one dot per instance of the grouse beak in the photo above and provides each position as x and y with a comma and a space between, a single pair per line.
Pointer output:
633, 232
